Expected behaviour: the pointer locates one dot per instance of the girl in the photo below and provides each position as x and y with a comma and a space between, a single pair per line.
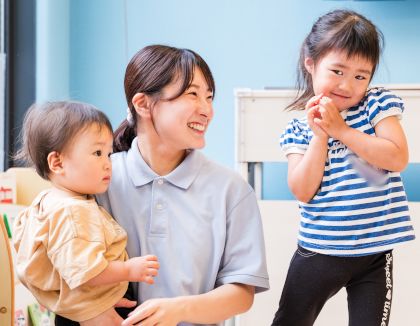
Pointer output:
200, 219
70, 252
349, 226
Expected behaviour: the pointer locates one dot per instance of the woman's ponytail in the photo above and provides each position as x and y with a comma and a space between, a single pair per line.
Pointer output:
123, 136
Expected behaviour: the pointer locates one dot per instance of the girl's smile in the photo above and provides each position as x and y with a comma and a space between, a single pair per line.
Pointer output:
342, 78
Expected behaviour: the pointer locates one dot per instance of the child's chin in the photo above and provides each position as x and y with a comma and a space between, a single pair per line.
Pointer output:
101, 191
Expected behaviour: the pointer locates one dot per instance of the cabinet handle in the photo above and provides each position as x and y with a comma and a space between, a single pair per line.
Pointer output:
3, 310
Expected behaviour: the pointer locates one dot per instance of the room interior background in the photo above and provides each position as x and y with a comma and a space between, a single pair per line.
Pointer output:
82, 48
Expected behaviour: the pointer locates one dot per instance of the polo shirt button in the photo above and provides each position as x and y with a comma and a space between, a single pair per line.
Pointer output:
160, 181
159, 206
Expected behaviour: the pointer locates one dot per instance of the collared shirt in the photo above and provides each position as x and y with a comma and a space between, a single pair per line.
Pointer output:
352, 214
201, 220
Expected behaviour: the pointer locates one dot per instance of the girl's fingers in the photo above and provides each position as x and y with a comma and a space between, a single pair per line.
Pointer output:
313, 112
313, 101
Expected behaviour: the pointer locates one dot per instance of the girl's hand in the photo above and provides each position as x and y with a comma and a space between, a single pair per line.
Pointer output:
142, 269
331, 120
165, 312
314, 117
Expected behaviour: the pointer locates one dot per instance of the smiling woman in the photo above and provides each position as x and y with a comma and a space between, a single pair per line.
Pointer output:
179, 123
201, 220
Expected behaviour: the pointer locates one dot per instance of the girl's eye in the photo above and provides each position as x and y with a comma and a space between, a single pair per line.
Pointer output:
109, 154
338, 72
360, 77
97, 153
192, 93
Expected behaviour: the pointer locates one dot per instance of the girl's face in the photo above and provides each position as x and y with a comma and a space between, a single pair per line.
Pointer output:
181, 123
341, 78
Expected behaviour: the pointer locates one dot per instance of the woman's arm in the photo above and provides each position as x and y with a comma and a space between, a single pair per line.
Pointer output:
208, 308
137, 269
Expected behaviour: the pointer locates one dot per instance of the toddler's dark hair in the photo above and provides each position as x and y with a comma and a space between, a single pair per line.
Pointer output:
51, 127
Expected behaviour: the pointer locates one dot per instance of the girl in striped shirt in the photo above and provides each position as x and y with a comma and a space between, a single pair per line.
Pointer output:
344, 159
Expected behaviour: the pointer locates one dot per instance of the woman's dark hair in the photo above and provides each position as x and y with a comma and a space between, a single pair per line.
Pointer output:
149, 71
51, 127
341, 30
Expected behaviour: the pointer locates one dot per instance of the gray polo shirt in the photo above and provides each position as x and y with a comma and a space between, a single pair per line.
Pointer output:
201, 220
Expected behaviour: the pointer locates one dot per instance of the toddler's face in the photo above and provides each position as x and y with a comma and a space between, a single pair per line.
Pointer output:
341, 78
86, 162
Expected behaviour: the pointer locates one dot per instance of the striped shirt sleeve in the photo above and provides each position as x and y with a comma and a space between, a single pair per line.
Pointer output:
295, 138
383, 103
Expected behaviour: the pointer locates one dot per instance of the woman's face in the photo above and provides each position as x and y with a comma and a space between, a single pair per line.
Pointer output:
343, 79
182, 123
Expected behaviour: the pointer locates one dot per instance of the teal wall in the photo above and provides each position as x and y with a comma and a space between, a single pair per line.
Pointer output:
248, 43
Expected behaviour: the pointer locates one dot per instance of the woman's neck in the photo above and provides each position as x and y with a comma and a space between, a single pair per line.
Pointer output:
159, 158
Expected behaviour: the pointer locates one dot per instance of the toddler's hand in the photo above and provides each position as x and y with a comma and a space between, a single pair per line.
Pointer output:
125, 303
142, 269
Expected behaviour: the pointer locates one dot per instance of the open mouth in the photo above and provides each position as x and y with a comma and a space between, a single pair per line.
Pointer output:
196, 126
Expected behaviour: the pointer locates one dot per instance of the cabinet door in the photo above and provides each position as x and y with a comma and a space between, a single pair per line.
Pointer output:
6, 277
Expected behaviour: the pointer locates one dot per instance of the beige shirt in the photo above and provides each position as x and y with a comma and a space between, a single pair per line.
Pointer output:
59, 248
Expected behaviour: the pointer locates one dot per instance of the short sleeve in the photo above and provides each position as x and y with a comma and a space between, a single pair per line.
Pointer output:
382, 103
295, 138
244, 258
76, 245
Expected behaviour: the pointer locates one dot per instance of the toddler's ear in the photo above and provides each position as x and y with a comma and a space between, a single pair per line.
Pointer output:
55, 163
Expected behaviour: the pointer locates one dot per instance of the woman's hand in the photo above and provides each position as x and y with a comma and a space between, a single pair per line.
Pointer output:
165, 312
212, 307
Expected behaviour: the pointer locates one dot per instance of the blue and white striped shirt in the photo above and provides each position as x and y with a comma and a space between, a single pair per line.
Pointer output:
350, 216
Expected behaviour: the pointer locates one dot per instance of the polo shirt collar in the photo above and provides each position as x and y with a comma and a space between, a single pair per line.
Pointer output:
182, 177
